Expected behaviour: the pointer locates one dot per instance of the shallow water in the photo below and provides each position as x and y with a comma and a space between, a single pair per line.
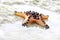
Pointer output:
11, 28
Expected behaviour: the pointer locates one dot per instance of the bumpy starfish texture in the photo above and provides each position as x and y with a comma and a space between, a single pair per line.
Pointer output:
33, 17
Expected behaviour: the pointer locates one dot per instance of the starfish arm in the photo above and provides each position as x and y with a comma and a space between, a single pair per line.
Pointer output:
21, 14
40, 23
27, 21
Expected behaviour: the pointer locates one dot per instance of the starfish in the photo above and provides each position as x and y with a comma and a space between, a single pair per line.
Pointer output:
33, 17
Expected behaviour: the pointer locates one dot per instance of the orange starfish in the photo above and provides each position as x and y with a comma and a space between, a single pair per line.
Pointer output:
33, 17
